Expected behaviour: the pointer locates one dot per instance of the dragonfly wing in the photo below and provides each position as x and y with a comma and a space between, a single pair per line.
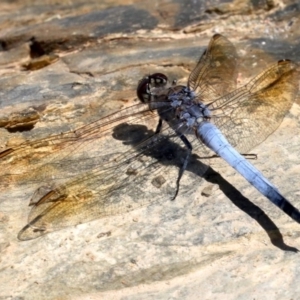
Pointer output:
67, 154
143, 174
215, 73
250, 114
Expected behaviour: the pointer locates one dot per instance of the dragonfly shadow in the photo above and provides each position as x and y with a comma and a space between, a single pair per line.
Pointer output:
135, 134
249, 208
165, 150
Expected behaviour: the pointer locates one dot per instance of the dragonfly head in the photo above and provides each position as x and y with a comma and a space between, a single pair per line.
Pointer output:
156, 80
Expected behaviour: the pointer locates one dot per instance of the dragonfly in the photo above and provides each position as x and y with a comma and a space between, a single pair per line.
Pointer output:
151, 151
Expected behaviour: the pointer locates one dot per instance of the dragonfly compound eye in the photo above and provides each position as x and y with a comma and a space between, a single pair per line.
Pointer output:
158, 79
144, 86
143, 89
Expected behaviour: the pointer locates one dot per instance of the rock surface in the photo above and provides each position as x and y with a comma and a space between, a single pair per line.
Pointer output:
65, 64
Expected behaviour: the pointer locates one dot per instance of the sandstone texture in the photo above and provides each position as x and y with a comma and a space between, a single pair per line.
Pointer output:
64, 64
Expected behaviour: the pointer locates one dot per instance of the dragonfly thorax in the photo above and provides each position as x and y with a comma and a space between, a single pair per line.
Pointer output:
187, 106
178, 101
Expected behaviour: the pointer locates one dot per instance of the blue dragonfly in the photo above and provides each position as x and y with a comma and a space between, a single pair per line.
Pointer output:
151, 151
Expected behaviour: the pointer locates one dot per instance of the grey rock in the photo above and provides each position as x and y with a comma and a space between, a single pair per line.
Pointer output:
233, 244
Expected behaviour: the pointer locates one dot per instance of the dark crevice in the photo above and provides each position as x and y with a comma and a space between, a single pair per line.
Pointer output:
20, 128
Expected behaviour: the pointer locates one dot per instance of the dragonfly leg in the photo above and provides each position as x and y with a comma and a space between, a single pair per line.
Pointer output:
246, 155
186, 160
250, 155
185, 163
159, 126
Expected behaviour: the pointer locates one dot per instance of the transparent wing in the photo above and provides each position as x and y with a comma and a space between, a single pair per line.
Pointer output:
250, 114
67, 154
105, 168
215, 73
139, 175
